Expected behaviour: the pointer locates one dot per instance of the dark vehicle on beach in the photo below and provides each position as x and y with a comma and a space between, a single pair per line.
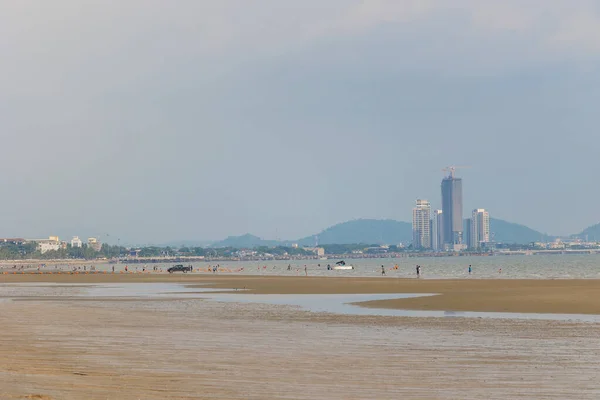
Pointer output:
179, 268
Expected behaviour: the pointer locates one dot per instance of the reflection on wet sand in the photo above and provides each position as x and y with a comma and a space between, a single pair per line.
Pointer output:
196, 349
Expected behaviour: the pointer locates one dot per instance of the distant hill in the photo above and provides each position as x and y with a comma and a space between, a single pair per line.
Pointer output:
370, 231
246, 241
187, 243
386, 231
592, 233
508, 232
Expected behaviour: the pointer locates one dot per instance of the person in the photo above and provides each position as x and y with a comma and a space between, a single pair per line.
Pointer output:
113, 269
382, 270
418, 271
305, 271
470, 269
500, 271
289, 267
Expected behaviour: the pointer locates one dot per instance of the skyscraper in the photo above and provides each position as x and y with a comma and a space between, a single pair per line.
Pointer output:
421, 225
452, 208
469, 233
437, 230
480, 227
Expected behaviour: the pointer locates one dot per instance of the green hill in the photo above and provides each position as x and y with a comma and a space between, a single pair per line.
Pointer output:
508, 232
371, 231
591, 233
246, 241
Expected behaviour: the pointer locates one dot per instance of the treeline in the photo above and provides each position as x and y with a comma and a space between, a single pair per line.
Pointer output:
12, 251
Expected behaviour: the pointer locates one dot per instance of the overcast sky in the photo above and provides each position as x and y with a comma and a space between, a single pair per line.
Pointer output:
153, 120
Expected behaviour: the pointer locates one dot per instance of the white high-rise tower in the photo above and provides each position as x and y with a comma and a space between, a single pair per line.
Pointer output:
437, 230
422, 225
480, 228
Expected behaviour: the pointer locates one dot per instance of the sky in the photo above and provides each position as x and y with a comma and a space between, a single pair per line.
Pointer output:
148, 121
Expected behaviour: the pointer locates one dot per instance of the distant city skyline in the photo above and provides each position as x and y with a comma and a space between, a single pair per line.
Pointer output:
446, 229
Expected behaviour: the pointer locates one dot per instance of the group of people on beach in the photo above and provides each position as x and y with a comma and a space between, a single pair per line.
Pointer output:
418, 270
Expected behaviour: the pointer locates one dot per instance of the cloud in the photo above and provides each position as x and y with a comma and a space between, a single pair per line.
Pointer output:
206, 98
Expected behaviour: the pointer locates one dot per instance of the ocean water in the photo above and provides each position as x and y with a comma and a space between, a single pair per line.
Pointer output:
559, 266
495, 267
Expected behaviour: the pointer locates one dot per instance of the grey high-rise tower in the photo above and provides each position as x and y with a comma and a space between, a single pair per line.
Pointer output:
452, 210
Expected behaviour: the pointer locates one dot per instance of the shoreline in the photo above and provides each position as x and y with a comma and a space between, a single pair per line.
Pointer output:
557, 296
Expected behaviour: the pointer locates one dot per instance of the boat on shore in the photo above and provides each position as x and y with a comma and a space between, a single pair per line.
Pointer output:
342, 265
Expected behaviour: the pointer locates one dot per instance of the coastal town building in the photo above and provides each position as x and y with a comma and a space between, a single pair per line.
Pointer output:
421, 225
53, 243
76, 242
94, 243
318, 251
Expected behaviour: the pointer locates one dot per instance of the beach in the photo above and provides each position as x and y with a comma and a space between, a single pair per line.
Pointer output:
55, 345
564, 296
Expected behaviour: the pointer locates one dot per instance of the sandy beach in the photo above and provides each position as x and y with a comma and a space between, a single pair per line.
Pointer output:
55, 346
497, 295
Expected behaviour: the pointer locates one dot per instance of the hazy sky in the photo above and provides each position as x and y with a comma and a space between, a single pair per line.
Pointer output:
153, 120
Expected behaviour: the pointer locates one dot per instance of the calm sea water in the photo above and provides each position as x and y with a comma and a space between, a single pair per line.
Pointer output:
512, 267
501, 267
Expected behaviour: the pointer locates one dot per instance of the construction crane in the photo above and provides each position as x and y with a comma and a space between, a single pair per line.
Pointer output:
452, 169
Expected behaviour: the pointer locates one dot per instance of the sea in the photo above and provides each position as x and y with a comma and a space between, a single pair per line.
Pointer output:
556, 266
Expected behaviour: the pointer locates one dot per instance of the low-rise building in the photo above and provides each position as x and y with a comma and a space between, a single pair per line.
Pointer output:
318, 251
76, 242
44, 245
95, 244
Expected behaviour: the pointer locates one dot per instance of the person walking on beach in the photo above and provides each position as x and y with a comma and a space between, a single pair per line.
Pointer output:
382, 270
470, 269
418, 271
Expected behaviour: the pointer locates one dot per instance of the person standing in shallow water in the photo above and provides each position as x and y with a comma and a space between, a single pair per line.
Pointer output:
382, 270
418, 271
470, 269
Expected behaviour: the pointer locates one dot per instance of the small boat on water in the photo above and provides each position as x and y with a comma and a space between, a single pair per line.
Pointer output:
342, 265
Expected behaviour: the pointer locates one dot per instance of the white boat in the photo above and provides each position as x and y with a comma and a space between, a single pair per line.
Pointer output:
343, 267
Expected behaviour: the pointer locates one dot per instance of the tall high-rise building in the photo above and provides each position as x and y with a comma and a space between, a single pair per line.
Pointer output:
452, 208
437, 230
469, 233
421, 225
480, 227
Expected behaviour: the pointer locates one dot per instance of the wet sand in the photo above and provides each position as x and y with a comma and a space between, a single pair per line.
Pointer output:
151, 348
495, 295
195, 349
